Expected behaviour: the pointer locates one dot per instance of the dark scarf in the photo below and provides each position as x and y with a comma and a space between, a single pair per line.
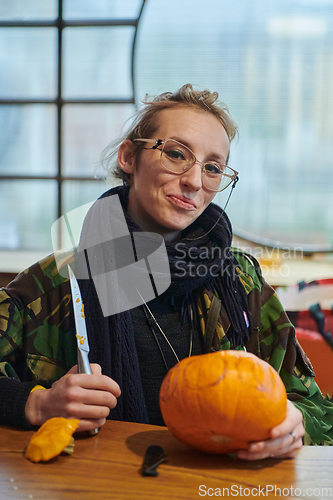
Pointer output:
199, 251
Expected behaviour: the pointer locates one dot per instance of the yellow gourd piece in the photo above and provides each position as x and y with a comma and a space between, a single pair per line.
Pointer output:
52, 438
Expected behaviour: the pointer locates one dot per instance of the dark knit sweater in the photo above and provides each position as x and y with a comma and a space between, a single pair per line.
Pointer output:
152, 367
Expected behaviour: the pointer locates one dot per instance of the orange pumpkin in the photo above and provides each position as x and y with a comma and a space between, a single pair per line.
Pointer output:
221, 401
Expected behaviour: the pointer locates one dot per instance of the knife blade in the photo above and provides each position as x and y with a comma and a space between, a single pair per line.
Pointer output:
81, 329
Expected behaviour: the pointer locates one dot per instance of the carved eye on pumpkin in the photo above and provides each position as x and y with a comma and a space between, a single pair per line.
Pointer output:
219, 402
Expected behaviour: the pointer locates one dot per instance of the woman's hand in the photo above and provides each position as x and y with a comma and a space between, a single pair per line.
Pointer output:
285, 440
86, 397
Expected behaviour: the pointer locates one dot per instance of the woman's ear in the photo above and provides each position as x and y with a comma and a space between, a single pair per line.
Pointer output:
126, 156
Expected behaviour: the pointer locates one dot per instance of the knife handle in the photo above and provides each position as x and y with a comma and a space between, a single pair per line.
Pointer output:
84, 367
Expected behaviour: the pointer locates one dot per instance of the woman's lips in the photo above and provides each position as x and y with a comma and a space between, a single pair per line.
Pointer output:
182, 202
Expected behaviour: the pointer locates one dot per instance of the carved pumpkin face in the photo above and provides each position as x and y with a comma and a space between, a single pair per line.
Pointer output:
219, 402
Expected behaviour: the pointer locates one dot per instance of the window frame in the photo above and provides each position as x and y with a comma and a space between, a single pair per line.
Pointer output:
59, 101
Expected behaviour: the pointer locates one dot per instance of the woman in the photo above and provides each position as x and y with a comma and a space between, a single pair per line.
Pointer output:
172, 163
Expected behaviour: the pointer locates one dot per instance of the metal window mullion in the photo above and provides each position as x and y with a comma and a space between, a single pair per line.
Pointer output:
68, 24
134, 48
59, 104
13, 177
67, 101
26, 101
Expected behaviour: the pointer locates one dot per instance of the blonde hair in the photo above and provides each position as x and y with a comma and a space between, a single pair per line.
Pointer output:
146, 123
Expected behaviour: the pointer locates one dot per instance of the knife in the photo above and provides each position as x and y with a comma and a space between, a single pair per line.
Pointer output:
81, 330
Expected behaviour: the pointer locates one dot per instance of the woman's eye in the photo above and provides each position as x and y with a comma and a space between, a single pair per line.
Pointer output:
175, 155
212, 168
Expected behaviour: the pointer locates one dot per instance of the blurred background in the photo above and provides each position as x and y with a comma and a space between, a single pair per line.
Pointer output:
73, 71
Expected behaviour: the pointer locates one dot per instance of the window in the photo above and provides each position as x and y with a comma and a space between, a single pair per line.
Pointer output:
271, 63
65, 92
67, 87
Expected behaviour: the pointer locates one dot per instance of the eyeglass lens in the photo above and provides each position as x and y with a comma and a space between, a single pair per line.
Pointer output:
177, 158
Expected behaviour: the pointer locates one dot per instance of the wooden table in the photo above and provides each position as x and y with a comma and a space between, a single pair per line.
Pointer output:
107, 466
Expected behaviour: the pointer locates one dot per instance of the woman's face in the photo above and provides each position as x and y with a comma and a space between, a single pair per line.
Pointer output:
164, 202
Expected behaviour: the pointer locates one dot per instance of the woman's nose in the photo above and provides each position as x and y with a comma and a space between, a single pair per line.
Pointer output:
193, 177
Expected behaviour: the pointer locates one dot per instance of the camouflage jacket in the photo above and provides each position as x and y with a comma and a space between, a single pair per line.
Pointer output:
38, 344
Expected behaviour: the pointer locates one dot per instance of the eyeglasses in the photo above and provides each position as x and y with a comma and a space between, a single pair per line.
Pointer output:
178, 159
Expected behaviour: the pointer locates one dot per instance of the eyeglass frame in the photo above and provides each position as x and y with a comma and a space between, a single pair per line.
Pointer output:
159, 142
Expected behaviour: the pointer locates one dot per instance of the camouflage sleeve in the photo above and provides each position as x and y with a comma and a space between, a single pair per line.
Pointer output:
13, 393
273, 339
279, 346
11, 338
37, 337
